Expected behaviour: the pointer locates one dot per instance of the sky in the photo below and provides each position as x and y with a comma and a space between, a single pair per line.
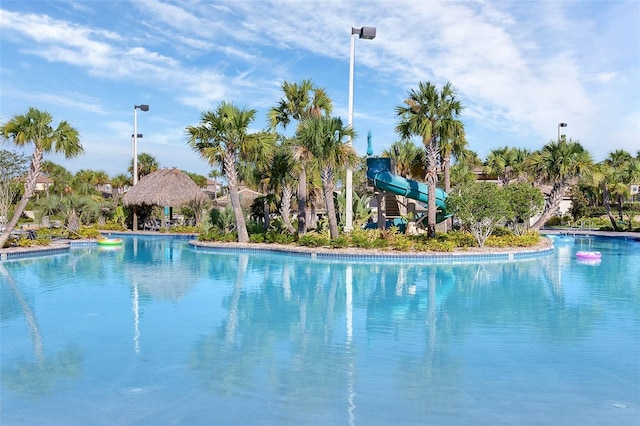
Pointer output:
519, 68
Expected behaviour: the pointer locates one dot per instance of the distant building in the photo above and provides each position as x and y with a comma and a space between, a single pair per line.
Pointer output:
634, 190
43, 183
213, 189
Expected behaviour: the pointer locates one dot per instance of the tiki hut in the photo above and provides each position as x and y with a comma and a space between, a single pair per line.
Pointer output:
247, 197
165, 188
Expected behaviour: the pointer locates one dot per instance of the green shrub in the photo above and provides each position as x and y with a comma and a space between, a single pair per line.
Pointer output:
256, 238
314, 240
111, 226
25, 242
340, 242
500, 231
424, 244
86, 232
216, 234
361, 238
527, 240
402, 243
460, 239
184, 229
277, 237
42, 241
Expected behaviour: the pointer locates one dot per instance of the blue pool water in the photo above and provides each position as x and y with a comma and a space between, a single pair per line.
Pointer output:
160, 333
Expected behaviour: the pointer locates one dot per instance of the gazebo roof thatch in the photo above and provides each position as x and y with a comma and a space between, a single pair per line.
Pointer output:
165, 187
246, 195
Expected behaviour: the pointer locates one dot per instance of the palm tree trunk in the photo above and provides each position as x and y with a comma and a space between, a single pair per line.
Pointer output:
551, 204
431, 158
29, 186
327, 189
302, 202
285, 209
446, 169
606, 200
232, 179
266, 213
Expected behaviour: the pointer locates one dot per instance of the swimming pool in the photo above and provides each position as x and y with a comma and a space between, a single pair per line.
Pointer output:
158, 332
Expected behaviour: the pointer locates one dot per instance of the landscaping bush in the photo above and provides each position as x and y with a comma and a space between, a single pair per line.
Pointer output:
276, 237
504, 241
256, 238
111, 226
184, 229
459, 239
85, 232
362, 238
215, 234
340, 242
314, 240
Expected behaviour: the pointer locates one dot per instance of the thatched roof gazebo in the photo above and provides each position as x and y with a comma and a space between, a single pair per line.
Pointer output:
247, 197
165, 188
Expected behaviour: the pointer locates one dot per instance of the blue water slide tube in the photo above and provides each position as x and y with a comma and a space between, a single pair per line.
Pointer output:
379, 174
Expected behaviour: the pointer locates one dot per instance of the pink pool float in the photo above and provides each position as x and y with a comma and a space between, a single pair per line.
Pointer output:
589, 255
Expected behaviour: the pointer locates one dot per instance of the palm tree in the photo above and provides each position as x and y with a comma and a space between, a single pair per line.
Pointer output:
496, 164
559, 164
118, 182
601, 177
299, 102
279, 178
407, 157
451, 146
431, 114
147, 164
462, 172
222, 138
62, 178
34, 127
325, 138
619, 160
508, 164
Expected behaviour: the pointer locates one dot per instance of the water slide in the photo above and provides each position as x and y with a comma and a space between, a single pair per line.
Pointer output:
379, 174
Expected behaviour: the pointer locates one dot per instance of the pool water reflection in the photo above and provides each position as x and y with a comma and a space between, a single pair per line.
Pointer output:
161, 333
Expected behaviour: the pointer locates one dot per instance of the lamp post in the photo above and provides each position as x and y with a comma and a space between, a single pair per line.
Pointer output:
367, 33
560, 125
135, 139
135, 156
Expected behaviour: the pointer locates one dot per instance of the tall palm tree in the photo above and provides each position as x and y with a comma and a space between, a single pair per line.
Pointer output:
222, 138
279, 178
35, 128
559, 164
619, 160
601, 177
300, 101
325, 138
453, 146
432, 115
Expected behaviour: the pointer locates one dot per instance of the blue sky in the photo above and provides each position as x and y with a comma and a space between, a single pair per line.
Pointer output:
520, 68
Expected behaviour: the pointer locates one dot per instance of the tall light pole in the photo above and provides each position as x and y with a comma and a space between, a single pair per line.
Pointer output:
135, 156
135, 139
367, 33
560, 125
